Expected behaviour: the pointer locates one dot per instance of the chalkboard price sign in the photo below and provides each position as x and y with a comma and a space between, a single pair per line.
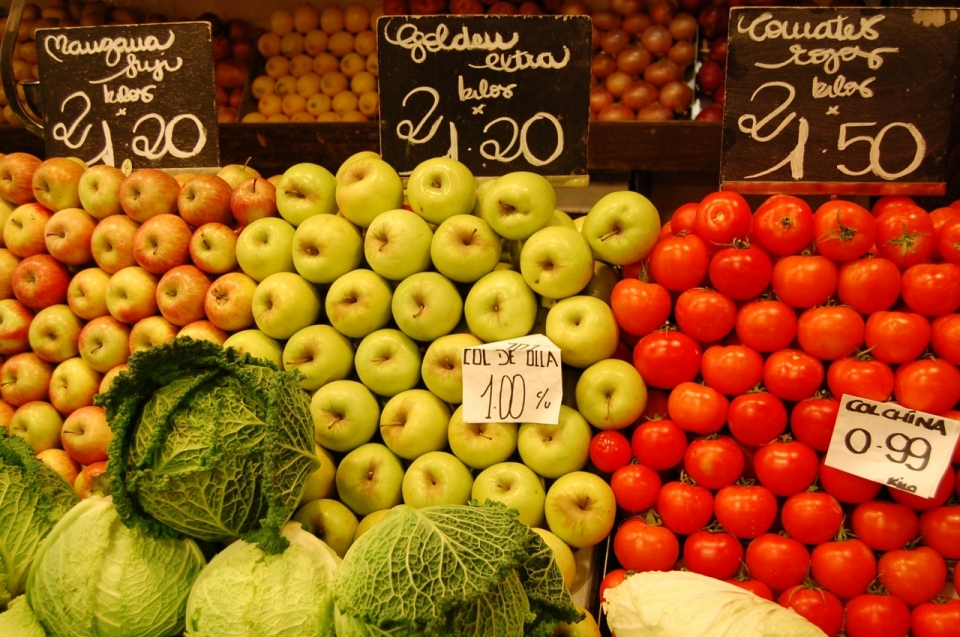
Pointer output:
143, 93
840, 101
498, 93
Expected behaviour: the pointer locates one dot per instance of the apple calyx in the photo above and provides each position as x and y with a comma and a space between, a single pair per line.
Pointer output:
507, 208
613, 233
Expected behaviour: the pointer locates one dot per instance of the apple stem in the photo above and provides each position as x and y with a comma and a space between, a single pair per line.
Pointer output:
507, 207
612, 233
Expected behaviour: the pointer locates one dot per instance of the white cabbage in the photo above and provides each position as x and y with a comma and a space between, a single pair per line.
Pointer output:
19, 620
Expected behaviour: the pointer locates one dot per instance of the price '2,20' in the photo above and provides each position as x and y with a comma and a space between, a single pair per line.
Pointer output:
753, 125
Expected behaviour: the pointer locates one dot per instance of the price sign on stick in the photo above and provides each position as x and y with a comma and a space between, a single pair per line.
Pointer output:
513, 381
143, 93
843, 101
888, 443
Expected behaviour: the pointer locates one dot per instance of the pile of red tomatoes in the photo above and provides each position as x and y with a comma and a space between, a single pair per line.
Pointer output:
748, 328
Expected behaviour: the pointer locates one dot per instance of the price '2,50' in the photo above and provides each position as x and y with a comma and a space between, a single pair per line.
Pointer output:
752, 125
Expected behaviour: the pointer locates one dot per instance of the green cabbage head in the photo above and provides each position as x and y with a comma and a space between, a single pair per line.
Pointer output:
32, 498
19, 620
208, 443
94, 577
247, 593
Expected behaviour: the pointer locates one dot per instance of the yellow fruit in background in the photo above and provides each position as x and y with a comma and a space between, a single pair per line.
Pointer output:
12, 119
369, 103
363, 82
374, 16
319, 104
308, 85
333, 82
331, 20
270, 104
356, 18
324, 63
352, 63
281, 22
329, 116
344, 101
254, 118
277, 67
22, 71
365, 43
372, 66
269, 44
315, 42
303, 117
263, 85
294, 103
278, 118
353, 116
300, 65
306, 18
28, 52
285, 85
291, 44
340, 43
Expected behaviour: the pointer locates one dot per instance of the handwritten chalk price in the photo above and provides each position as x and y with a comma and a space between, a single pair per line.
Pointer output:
890, 444
518, 380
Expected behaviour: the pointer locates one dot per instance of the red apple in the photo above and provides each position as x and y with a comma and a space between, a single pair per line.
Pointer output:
87, 293
15, 319
24, 378
150, 332
8, 261
132, 295
73, 385
205, 199
68, 236
109, 377
40, 281
6, 415
104, 343
54, 333
92, 480
16, 177
112, 243
180, 294
254, 199
61, 462
56, 183
23, 234
203, 331
213, 248
229, 302
86, 435
162, 243
147, 193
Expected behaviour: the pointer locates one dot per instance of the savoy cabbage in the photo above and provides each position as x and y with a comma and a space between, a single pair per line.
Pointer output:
19, 620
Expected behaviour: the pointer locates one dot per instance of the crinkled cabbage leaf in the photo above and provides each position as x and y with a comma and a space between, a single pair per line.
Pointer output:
19, 620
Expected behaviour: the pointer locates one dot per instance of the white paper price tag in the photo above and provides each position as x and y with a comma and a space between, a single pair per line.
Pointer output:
890, 444
513, 381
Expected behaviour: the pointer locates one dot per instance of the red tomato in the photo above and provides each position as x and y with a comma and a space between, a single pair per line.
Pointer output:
885, 526
698, 409
656, 405
635, 487
936, 620
811, 517
667, 358
611, 580
684, 218
716, 555
643, 547
843, 230
679, 263
659, 444
944, 336
786, 467
942, 215
915, 502
777, 561
927, 385
932, 289
759, 589
876, 616
714, 463
845, 568
948, 240
784, 225
905, 235
863, 377
745, 511
609, 451
819, 607
640, 307
705, 315
812, 422
756, 419
890, 201
666, 231
723, 217
731, 369
830, 333
742, 272
915, 576
766, 326
940, 530
869, 285
792, 375
684, 508
805, 280
847, 487
896, 337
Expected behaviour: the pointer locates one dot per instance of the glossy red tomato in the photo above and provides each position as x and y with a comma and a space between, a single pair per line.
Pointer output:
905, 235
876, 616
659, 444
869, 285
756, 419
698, 409
805, 280
679, 263
812, 422
948, 240
714, 462
845, 568
684, 508
635, 487
936, 620
731, 369
846, 487
944, 337
684, 218
819, 607
611, 580
716, 555
723, 217
656, 406
859, 376
784, 225
745, 511
610, 450
927, 385
777, 561
932, 289
812, 517
792, 375
640, 307
885, 526
766, 326
667, 358
843, 231
742, 272
759, 589
705, 315
915, 502
643, 547
915, 576
890, 201
896, 337
829, 333
940, 530
786, 467
666, 231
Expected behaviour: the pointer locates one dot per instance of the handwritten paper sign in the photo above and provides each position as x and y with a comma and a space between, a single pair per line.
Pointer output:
890, 444
518, 380
842, 101
143, 93
498, 93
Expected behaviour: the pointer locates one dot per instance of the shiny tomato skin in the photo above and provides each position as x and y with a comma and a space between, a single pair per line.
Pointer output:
804, 281
745, 512
742, 273
932, 289
659, 444
890, 201
714, 463
656, 405
812, 422
876, 616
915, 502
896, 337
731, 369
640, 307
705, 315
936, 620
784, 225
869, 378
723, 217
786, 468
940, 530
759, 589
716, 555
698, 409
927, 385
869, 285
641, 547
843, 231
905, 235
611, 580
684, 218
844, 568
948, 241
820, 608
915, 576
777, 561
756, 419
829, 333
884, 526
679, 263
846, 487
792, 375
812, 517
666, 359
610, 450
635, 487
766, 326
684, 508
945, 337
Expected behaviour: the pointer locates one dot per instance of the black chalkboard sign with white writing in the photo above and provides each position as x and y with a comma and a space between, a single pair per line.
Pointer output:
841, 101
143, 93
498, 93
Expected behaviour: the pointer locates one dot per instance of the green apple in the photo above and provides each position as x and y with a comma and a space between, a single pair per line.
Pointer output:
441, 368
325, 247
258, 345
556, 262
581, 509
562, 555
516, 486
622, 228
481, 444
99, 190
397, 244
518, 204
611, 394
556, 450
601, 285
369, 478
426, 306
414, 422
464, 248
363, 154
321, 353
345, 415
560, 218
436, 478
388, 362
500, 306
358, 303
584, 329
265, 247
586, 627
235, 174
39, 424
284, 304
306, 190
330, 521
369, 521
54, 333
366, 188
73, 385
441, 187
320, 483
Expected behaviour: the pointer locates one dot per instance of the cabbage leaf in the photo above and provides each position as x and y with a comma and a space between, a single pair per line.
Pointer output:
19, 620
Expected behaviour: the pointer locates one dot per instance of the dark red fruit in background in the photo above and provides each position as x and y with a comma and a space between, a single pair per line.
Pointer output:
710, 76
